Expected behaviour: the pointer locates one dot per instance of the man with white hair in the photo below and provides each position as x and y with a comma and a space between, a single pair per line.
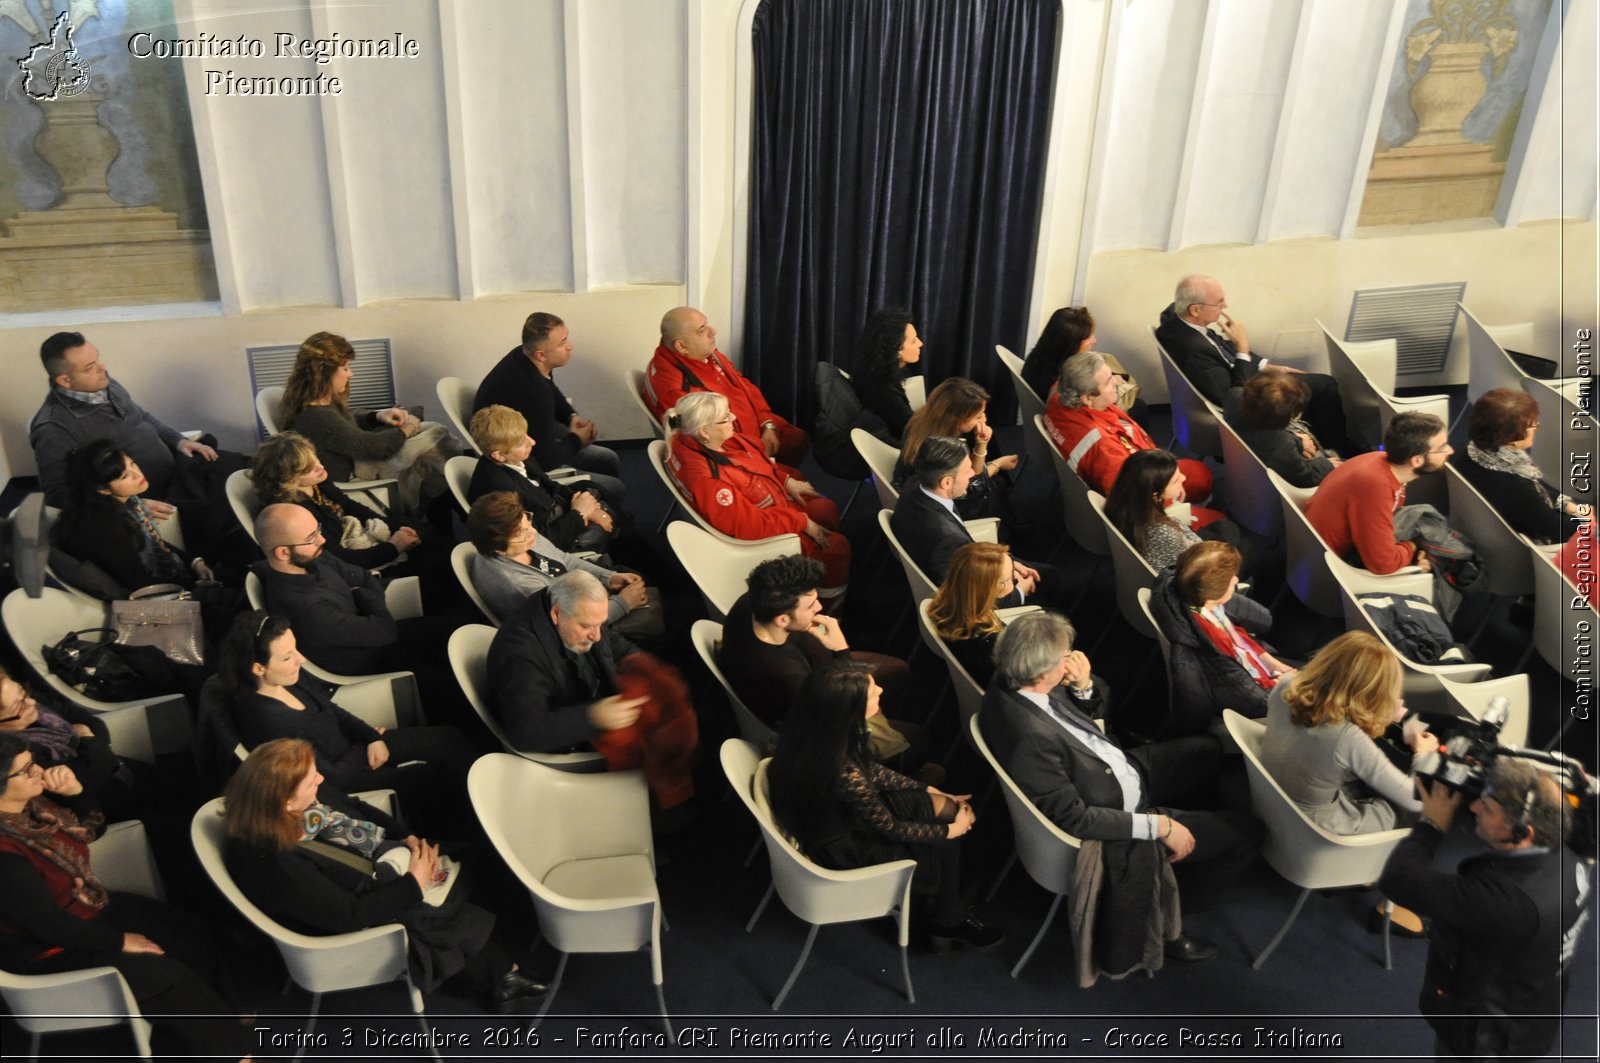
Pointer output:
1213, 350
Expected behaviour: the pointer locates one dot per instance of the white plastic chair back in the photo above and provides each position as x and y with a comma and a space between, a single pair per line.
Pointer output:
1366, 372
1563, 422
243, 500
461, 556
880, 458
469, 660
1555, 620
657, 451
1194, 419
268, 400
969, 695
1030, 404
707, 636
1252, 500
1048, 852
1474, 699
922, 587
1488, 365
455, 399
1307, 568
1133, 572
720, 568
916, 391
636, 388
458, 475
1500, 548
1083, 520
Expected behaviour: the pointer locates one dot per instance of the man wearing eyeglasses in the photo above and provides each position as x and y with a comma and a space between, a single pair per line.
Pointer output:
1212, 349
1353, 508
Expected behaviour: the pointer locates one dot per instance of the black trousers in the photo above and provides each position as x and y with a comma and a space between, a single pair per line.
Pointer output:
1184, 771
179, 985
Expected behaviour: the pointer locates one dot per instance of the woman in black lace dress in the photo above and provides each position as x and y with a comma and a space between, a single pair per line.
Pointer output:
846, 811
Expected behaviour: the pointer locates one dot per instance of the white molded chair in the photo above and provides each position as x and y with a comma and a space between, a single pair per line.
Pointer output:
1298, 849
1488, 364
916, 391
707, 636
93, 997
1252, 500
1474, 699
1083, 520
268, 401
139, 728
1564, 421
635, 380
816, 894
985, 530
458, 475
317, 963
1501, 549
969, 695
461, 556
469, 660
375, 493
1133, 572
243, 500
585, 855
1047, 852
718, 567
1165, 643
1307, 554
455, 399
1366, 373
789, 542
1559, 613
1194, 419
1422, 689
1030, 404
880, 458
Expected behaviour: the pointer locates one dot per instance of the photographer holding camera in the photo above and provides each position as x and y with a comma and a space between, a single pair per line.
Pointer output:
1506, 923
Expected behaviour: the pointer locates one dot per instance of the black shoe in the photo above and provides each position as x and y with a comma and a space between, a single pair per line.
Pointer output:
514, 986
972, 934
1188, 949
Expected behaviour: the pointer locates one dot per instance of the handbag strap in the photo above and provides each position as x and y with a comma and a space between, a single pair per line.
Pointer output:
340, 856
158, 590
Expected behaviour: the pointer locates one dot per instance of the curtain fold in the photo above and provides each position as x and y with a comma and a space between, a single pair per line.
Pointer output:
897, 159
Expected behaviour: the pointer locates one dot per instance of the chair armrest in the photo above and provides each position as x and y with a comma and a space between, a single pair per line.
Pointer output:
984, 529
370, 699
122, 860
379, 494
1009, 614
382, 800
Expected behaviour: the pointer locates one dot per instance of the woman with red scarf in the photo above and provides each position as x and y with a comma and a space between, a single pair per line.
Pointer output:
743, 493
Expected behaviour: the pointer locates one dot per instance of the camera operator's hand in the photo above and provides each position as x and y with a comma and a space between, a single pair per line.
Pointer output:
1439, 804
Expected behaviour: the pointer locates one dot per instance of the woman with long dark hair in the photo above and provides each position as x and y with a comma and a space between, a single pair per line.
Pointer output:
1146, 505
847, 811
1070, 331
886, 352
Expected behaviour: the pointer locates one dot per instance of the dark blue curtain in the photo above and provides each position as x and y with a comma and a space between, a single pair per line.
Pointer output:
897, 159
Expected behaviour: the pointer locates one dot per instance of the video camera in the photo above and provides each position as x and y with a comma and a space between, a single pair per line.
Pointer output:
1462, 764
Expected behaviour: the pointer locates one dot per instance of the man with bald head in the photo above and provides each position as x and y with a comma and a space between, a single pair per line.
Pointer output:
688, 360
1213, 350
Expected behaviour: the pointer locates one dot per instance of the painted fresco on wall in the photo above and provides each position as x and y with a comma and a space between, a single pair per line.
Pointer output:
100, 195
1455, 96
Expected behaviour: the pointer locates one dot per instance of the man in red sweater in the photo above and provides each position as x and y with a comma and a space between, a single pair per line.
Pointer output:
688, 360
1354, 507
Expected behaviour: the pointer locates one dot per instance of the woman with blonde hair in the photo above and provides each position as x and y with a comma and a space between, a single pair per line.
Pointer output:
958, 407
325, 864
377, 444
963, 609
1321, 727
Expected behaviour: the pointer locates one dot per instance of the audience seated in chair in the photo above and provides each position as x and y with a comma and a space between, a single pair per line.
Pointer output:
58, 917
525, 381
1216, 362
575, 516
1095, 435
515, 561
259, 670
963, 609
958, 407
1501, 429
323, 863
688, 362
1216, 661
1070, 331
845, 810
1039, 717
1148, 505
741, 492
775, 636
1266, 414
887, 350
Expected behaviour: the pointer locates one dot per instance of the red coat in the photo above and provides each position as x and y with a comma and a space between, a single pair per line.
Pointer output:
738, 490
1097, 442
671, 376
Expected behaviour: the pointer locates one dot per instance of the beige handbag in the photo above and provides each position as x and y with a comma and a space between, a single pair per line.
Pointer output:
1127, 387
162, 615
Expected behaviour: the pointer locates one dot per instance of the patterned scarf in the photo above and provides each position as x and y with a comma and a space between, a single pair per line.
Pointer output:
1517, 462
358, 835
59, 837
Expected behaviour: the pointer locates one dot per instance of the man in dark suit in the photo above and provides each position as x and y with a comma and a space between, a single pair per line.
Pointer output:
553, 669
928, 527
1212, 349
1039, 716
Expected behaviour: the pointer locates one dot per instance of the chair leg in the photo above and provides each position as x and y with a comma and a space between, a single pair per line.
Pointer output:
550, 994
852, 499
1282, 930
311, 1022
1050, 917
805, 954
666, 1020
755, 847
765, 897
1388, 920
988, 898
33, 1044
905, 969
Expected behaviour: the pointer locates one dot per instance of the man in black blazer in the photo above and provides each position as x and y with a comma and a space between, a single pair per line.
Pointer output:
1218, 361
1038, 718
553, 669
928, 527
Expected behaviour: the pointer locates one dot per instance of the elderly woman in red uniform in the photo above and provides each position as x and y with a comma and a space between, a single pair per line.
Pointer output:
1096, 436
743, 493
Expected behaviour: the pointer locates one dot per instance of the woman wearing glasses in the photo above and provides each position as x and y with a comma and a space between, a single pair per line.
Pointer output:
61, 733
1500, 430
58, 916
743, 493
